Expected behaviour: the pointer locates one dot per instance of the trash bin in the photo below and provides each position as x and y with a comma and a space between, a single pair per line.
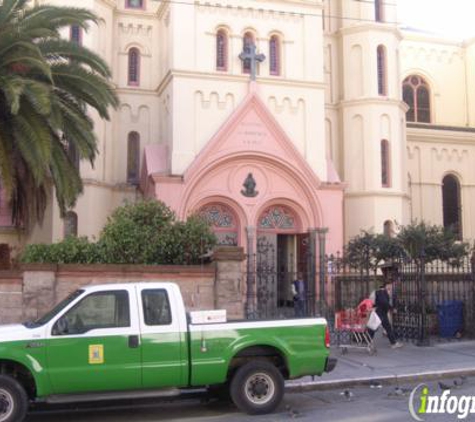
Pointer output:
450, 316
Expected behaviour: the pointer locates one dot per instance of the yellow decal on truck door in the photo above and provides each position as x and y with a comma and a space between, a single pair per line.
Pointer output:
96, 353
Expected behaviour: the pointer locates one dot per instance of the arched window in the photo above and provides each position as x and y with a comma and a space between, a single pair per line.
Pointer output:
385, 164
223, 222
451, 204
222, 50
247, 42
382, 82
378, 11
416, 94
274, 55
133, 158
388, 228
134, 4
70, 224
134, 67
75, 34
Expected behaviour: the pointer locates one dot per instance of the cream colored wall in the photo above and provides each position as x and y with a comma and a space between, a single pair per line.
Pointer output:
432, 154
442, 64
203, 98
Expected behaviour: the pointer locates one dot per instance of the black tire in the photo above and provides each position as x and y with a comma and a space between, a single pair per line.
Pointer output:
13, 400
257, 388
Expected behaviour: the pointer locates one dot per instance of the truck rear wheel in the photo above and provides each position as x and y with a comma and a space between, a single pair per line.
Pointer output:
257, 388
13, 400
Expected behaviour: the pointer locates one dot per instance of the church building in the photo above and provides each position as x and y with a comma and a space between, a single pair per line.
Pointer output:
290, 125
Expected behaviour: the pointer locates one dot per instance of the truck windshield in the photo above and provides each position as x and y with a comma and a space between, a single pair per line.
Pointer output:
58, 308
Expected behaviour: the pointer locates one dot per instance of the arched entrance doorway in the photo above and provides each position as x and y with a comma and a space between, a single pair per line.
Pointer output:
282, 253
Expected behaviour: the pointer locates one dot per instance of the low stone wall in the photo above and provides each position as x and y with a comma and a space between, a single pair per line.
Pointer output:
34, 289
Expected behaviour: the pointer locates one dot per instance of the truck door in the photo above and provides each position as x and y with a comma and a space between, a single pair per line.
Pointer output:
163, 339
94, 346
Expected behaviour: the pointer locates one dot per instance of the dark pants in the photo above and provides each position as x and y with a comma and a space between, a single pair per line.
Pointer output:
383, 316
299, 307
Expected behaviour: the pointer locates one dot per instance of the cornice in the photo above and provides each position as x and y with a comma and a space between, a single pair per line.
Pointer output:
376, 101
226, 77
440, 134
373, 193
370, 27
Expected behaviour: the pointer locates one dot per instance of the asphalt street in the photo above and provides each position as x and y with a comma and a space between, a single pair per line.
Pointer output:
376, 403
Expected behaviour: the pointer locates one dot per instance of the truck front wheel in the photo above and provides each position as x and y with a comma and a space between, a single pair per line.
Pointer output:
13, 400
257, 388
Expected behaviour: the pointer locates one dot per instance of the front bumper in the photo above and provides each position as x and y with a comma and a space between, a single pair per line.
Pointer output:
330, 364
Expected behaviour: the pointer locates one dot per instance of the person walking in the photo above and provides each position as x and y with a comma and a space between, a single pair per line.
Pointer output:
298, 290
382, 304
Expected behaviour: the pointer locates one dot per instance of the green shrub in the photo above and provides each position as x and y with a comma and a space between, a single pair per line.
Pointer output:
142, 233
72, 250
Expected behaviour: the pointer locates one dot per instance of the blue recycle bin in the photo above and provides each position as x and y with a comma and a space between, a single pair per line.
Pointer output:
450, 316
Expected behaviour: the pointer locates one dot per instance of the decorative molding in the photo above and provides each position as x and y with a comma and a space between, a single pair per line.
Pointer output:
227, 77
135, 29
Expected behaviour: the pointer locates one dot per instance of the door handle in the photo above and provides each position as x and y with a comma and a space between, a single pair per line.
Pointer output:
133, 341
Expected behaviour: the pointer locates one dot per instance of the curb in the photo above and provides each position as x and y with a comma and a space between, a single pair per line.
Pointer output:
296, 387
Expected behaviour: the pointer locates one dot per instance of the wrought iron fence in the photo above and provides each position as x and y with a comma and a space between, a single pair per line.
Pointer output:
431, 300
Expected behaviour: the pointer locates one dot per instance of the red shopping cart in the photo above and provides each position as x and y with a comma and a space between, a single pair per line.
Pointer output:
351, 330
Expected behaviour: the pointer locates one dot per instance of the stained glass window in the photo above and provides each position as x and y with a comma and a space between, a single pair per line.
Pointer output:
223, 222
416, 94
247, 41
133, 158
277, 217
381, 53
134, 66
75, 34
134, 4
378, 11
385, 167
274, 55
221, 50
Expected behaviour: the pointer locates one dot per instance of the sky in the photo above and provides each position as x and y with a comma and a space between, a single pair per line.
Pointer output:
453, 18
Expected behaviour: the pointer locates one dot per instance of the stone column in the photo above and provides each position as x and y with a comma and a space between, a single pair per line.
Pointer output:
251, 272
228, 281
321, 234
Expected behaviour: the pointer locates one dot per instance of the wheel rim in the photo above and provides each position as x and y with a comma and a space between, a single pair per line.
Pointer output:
7, 405
260, 388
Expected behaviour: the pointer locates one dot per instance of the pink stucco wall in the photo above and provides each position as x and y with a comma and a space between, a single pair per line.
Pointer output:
251, 141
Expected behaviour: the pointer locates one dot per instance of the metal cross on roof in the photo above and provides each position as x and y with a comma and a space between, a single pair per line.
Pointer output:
249, 53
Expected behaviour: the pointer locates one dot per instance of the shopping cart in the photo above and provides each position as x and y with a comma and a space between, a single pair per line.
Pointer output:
351, 330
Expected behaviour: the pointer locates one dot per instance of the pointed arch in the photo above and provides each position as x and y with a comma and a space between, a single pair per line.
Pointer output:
133, 68
416, 94
451, 204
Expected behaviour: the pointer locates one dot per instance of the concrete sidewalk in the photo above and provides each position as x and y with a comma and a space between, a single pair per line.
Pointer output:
390, 366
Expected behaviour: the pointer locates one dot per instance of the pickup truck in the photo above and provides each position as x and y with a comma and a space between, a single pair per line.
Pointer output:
133, 340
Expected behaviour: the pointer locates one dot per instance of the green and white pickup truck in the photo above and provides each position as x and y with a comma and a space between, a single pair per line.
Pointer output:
134, 340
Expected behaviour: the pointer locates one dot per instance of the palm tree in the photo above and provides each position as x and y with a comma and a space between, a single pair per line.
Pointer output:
47, 85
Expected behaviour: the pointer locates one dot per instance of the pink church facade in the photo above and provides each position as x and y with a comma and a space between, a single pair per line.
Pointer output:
251, 183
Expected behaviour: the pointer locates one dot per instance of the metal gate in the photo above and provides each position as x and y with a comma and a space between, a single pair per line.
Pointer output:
270, 295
